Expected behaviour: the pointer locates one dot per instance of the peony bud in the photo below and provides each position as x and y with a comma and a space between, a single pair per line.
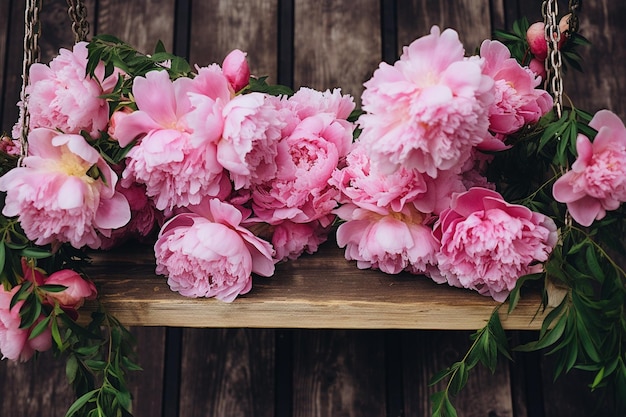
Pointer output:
236, 70
536, 37
78, 289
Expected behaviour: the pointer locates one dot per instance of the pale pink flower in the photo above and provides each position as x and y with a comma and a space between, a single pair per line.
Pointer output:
15, 343
249, 144
428, 109
306, 160
392, 242
487, 243
597, 181
236, 69
307, 102
175, 170
208, 253
64, 191
362, 184
78, 289
290, 240
518, 101
61, 96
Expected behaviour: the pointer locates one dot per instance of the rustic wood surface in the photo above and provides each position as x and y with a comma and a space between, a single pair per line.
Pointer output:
321, 290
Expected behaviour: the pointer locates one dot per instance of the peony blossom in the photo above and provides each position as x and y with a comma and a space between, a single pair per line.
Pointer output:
64, 192
207, 253
61, 96
175, 170
429, 109
597, 181
518, 101
78, 289
487, 243
236, 70
391, 242
306, 160
249, 143
15, 343
290, 240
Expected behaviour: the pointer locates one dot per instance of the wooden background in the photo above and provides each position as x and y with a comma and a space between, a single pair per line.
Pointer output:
293, 372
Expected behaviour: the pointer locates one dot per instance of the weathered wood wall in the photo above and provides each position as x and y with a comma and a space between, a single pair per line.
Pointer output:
267, 372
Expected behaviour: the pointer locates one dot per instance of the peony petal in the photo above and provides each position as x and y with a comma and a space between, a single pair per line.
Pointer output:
113, 213
71, 193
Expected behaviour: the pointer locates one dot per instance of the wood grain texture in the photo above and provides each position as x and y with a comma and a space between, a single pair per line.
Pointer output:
339, 373
13, 67
35, 388
428, 352
219, 26
5, 14
147, 385
141, 23
337, 43
301, 294
470, 18
227, 372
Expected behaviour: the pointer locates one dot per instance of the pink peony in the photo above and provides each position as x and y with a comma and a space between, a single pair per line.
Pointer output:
78, 289
64, 192
487, 243
61, 96
15, 343
249, 143
597, 181
306, 160
392, 242
428, 109
290, 240
517, 100
362, 184
207, 253
175, 170
235, 67
307, 102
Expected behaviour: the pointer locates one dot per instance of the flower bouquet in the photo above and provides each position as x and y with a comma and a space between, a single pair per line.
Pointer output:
460, 168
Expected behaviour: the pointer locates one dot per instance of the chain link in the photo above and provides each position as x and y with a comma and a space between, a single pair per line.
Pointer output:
32, 33
554, 63
78, 15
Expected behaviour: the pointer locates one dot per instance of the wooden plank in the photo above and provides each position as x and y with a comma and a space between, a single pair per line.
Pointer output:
332, 47
339, 373
13, 67
470, 18
227, 372
140, 23
301, 294
219, 26
427, 352
35, 388
147, 385
5, 14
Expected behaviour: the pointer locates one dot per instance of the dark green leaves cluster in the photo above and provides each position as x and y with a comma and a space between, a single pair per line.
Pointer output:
100, 357
488, 343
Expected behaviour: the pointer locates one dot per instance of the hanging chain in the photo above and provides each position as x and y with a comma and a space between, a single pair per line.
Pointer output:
78, 15
32, 32
554, 62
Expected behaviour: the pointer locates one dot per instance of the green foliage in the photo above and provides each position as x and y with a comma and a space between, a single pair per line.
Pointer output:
488, 343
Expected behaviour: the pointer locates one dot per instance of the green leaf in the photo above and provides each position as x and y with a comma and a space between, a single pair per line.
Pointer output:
514, 296
36, 253
39, 328
2, 255
56, 335
21, 294
80, 403
54, 288
598, 379
594, 265
71, 368
459, 378
30, 311
95, 365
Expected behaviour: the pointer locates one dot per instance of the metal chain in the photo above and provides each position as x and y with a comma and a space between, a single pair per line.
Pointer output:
78, 15
554, 62
32, 33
